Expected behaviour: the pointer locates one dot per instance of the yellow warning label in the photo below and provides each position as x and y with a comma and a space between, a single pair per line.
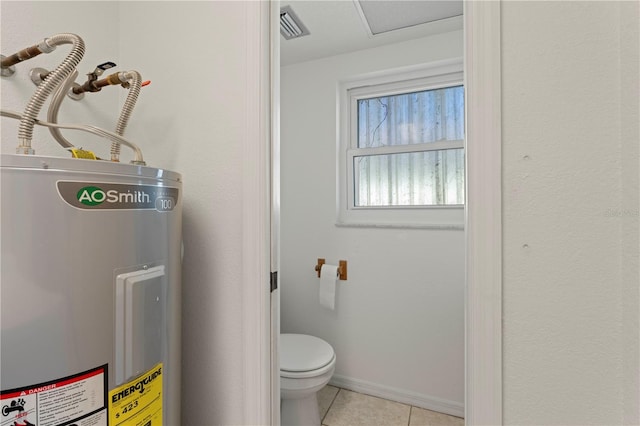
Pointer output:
81, 153
139, 402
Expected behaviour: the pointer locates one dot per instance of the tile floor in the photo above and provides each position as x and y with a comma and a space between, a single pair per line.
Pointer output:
340, 407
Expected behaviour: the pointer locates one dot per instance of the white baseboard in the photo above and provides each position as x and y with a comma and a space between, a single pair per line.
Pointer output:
399, 395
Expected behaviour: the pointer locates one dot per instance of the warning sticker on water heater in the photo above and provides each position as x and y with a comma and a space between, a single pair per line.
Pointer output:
78, 400
139, 402
118, 196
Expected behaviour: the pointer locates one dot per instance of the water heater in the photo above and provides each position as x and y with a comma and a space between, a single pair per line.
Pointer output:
90, 293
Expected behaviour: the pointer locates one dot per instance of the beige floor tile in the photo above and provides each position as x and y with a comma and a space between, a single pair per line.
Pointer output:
325, 398
355, 409
421, 417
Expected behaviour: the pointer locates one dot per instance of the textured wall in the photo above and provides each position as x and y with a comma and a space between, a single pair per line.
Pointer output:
399, 318
629, 217
193, 117
568, 171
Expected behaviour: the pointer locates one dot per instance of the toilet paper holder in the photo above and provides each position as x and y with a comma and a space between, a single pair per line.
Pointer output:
342, 268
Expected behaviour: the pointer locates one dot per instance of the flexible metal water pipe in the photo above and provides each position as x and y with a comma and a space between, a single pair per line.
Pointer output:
135, 81
27, 123
54, 107
130, 79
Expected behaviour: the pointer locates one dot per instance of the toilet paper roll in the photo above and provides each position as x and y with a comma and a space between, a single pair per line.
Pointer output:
328, 278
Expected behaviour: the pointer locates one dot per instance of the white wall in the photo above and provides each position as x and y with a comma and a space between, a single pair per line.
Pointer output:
399, 318
570, 203
193, 119
630, 205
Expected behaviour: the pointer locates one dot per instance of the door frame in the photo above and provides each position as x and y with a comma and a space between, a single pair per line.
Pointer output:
274, 69
256, 218
483, 214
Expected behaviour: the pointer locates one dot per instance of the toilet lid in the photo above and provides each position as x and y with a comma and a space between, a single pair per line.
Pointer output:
300, 352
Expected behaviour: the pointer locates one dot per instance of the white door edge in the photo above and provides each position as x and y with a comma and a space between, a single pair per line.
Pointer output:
483, 214
256, 219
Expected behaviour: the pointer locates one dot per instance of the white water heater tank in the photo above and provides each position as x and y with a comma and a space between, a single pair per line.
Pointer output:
89, 293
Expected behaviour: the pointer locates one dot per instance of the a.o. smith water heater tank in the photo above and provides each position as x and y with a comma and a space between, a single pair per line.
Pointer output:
90, 293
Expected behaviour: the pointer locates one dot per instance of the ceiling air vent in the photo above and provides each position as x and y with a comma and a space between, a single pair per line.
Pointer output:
290, 24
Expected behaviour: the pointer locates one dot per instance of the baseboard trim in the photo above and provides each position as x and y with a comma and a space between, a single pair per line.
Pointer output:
399, 395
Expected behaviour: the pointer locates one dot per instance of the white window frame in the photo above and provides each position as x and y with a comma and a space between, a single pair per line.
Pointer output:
412, 79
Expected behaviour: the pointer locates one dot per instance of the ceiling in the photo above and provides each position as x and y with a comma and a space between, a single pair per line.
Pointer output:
344, 26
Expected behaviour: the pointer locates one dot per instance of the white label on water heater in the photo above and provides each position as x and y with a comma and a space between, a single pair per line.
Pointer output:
80, 400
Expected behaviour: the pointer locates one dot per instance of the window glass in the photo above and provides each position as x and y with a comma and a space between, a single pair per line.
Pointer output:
411, 118
409, 179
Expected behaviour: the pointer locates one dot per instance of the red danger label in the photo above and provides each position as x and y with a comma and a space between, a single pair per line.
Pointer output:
80, 399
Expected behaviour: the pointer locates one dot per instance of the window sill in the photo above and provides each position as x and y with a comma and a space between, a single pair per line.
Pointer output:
434, 217
441, 227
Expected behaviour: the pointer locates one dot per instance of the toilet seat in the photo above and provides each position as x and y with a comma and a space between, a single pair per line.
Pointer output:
304, 356
307, 364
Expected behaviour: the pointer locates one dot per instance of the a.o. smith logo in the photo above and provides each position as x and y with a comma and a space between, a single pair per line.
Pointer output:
93, 196
117, 196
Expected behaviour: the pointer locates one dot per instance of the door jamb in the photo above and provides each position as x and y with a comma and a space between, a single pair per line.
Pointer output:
483, 214
256, 218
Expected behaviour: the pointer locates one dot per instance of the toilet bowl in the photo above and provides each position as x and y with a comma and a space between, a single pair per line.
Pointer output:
306, 366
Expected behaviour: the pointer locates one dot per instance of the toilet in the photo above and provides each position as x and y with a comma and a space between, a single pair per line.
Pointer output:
306, 366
